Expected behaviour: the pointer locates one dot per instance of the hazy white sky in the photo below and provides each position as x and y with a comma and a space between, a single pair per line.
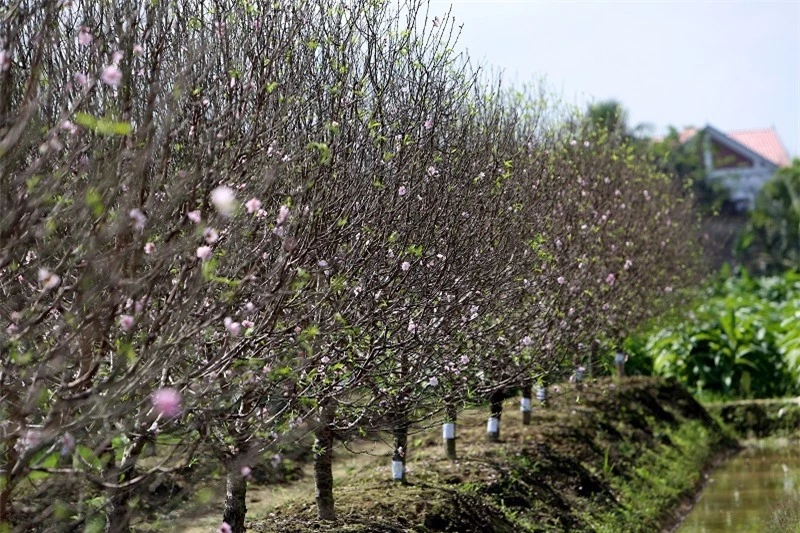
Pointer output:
732, 64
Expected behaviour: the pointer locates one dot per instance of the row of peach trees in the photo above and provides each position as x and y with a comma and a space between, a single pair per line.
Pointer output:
225, 224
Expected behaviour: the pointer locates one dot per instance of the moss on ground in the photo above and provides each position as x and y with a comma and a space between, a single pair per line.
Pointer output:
605, 457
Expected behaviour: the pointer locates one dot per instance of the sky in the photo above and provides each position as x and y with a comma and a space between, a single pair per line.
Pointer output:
732, 64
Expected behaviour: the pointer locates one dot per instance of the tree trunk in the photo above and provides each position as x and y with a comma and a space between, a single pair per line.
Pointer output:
235, 492
449, 431
323, 462
619, 362
525, 403
400, 432
496, 407
118, 516
541, 394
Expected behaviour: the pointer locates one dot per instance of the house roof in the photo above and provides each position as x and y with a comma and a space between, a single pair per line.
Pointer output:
764, 142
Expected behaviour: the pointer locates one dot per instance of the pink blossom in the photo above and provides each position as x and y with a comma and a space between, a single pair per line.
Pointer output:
246, 471
167, 402
85, 37
5, 60
573, 142
283, 214
111, 75
149, 248
668, 289
194, 216
69, 126
401, 191
561, 280
250, 307
116, 57
48, 279
429, 123
210, 235
253, 205
248, 323
138, 219
203, 253
234, 328
527, 341
628, 264
412, 326
126, 322
437, 21
224, 200
464, 359
611, 278
138, 50
81, 78
432, 171
405, 266
433, 381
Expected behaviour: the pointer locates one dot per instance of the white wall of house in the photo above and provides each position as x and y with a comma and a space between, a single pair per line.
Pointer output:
743, 183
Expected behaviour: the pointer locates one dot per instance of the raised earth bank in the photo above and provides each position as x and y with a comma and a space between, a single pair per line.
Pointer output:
605, 457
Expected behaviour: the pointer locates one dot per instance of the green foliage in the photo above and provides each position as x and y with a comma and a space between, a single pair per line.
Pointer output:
773, 236
741, 340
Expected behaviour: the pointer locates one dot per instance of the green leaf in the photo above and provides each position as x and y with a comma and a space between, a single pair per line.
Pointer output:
102, 126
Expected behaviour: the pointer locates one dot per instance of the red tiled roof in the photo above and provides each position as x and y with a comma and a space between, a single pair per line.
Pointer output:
686, 134
763, 142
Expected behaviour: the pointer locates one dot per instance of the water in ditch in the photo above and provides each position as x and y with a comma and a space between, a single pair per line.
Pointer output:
743, 493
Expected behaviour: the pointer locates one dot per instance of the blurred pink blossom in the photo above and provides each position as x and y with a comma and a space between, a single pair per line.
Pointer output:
166, 402
48, 279
194, 216
405, 266
561, 280
429, 123
126, 322
234, 328
434, 381
149, 248
628, 264
69, 126
253, 205
611, 278
248, 323
111, 75
116, 57
85, 37
246, 471
138, 50
210, 235
138, 219
283, 214
203, 253
224, 200
5, 60
401, 191
81, 78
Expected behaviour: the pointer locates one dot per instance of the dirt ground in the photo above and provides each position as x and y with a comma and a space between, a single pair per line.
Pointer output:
601, 457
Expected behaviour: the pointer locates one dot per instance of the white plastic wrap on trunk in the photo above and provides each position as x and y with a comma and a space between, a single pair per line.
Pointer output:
541, 394
493, 426
525, 405
398, 469
448, 430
